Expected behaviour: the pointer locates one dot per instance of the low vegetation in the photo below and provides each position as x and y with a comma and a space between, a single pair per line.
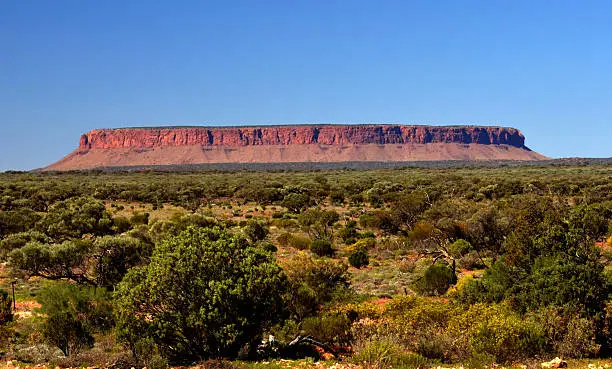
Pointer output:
407, 268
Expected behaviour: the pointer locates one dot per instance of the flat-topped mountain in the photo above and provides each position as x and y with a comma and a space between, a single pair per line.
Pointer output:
124, 147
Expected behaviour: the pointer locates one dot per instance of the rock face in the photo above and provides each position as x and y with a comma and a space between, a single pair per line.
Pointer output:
297, 135
299, 143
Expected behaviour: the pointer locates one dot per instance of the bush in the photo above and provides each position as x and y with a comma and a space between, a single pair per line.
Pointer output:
578, 340
267, 246
434, 346
337, 197
76, 217
6, 308
330, 328
296, 202
381, 219
284, 239
459, 248
450, 332
73, 315
362, 244
322, 248
18, 240
255, 231
121, 224
471, 261
381, 353
116, 255
15, 221
377, 353
96, 358
359, 258
56, 261
497, 331
205, 293
312, 283
36, 354
436, 280
292, 240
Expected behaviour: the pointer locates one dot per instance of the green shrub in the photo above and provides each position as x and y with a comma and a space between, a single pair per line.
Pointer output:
18, 240
292, 240
470, 261
380, 219
284, 239
497, 331
366, 234
6, 308
348, 232
337, 197
330, 328
147, 352
267, 246
434, 346
205, 293
312, 283
16, 221
578, 340
73, 314
116, 255
377, 353
322, 248
285, 223
76, 217
436, 280
121, 224
364, 244
255, 230
382, 353
296, 202
54, 261
459, 248
299, 242
359, 258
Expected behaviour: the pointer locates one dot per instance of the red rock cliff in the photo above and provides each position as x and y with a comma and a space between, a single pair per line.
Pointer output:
297, 135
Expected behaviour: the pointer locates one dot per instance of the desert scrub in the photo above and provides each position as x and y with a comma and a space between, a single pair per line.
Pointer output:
384, 353
359, 259
293, 240
322, 248
496, 330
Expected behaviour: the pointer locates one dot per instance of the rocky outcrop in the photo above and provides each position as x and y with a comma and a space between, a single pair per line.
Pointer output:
297, 135
124, 147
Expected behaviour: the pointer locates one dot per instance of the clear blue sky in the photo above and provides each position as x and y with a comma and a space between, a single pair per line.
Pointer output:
68, 66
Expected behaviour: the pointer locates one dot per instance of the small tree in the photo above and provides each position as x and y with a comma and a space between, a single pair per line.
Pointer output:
206, 293
296, 202
75, 217
318, 223
115, 255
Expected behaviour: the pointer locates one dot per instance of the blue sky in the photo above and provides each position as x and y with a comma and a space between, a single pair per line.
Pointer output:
69, 66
